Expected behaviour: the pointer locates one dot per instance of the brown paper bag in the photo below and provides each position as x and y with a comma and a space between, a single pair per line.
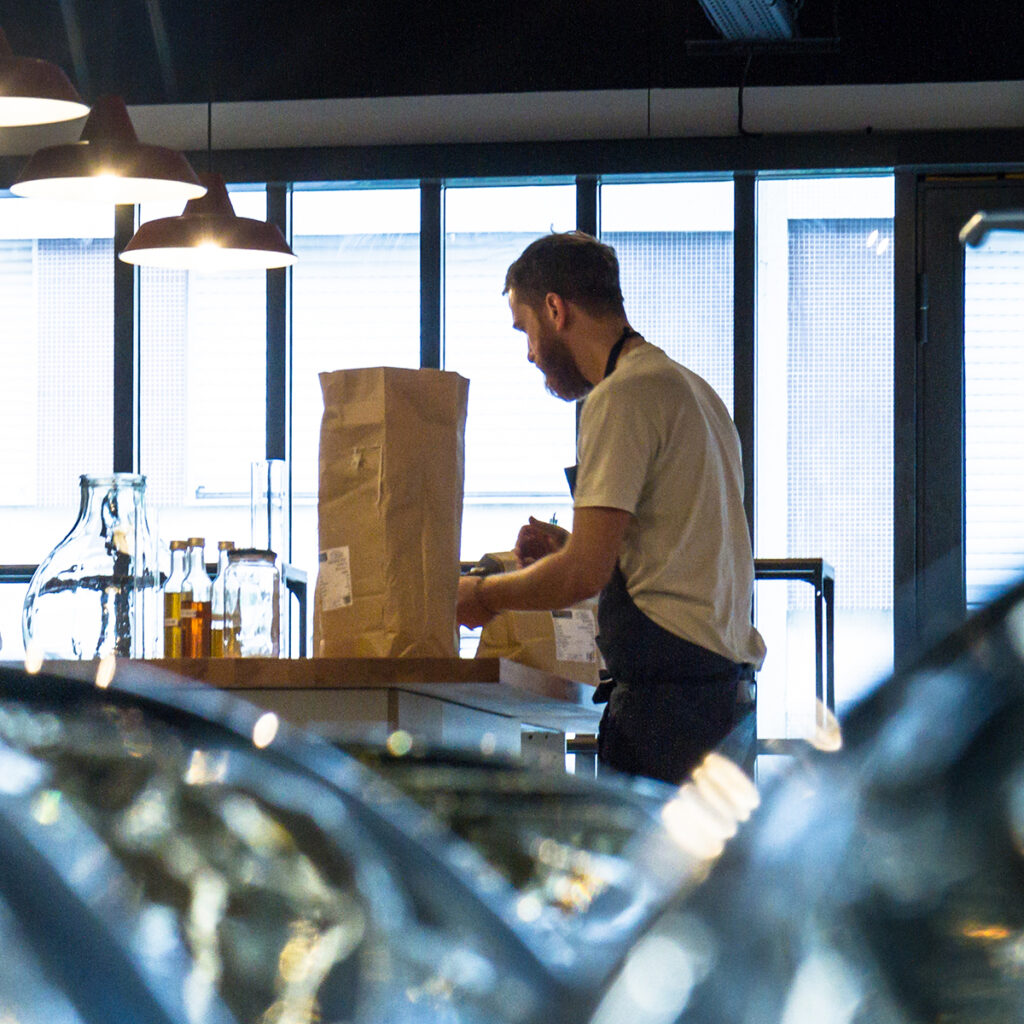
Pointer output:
562, 643
390, 513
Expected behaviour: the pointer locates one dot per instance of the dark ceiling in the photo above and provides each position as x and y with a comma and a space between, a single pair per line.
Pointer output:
176, 51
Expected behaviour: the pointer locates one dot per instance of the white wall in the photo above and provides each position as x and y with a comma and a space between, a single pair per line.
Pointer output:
561, 116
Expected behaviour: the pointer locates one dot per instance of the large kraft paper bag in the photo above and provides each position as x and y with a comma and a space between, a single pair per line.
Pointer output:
390, 513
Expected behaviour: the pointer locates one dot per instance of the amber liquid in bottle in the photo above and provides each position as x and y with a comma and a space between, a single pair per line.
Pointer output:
173, 647
195, 603
173, 644
195, 621
217, 600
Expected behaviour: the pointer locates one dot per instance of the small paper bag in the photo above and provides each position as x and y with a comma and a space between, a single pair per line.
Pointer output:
562, 642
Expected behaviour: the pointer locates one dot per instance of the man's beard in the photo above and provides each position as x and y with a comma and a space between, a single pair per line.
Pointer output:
562, 376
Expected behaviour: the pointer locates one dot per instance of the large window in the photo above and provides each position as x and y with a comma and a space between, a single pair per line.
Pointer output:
56, 376
823, 382
202, 392
519, 439
355, 303
674, 243
824, 431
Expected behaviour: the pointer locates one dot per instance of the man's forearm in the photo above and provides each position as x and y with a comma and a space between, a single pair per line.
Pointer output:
575, 572
550, 582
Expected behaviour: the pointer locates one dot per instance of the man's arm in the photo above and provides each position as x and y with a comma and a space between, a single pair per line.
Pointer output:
575, 572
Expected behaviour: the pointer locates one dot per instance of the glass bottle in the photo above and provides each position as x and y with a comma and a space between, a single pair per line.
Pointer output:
98, 592
217, 600
173, 644
195, 601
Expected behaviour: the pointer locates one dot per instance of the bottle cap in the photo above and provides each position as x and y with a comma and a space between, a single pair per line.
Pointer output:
196, 542
179, 545
225, 545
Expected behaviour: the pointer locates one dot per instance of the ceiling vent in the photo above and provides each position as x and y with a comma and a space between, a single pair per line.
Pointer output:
740, 20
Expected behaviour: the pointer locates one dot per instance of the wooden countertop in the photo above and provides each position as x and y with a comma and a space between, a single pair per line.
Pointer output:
489, 684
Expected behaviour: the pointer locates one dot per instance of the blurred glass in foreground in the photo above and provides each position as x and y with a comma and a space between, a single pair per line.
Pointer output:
881, 884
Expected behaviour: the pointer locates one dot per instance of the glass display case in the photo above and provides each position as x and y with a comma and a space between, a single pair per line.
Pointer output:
880, 884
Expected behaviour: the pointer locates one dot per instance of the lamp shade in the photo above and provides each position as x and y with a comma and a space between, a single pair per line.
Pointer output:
108, 164
34, 91
208, 235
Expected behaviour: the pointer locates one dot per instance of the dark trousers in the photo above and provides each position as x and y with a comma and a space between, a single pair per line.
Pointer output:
664, 730
672, 702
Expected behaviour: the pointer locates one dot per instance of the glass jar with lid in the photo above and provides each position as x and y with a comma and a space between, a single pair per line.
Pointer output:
252, 604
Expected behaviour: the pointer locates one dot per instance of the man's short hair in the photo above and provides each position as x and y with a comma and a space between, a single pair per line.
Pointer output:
571, 264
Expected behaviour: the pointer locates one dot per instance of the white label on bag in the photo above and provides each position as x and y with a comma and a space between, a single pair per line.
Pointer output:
574, 634
335, 579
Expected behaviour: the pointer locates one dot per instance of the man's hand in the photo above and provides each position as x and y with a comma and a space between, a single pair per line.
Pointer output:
572, 567
538, 539
469, 611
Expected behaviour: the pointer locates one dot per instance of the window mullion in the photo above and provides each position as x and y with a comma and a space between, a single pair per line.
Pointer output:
126, 322
431, 273
744, 292
278, 330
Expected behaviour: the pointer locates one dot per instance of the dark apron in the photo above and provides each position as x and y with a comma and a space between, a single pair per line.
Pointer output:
669, 701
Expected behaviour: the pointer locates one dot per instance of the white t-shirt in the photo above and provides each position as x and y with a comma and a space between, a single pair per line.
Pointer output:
656, 441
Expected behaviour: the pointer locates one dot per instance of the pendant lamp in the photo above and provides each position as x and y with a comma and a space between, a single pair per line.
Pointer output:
109, 164
209, 235
34, 91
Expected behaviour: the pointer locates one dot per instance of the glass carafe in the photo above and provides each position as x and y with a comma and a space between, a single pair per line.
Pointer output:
98, 592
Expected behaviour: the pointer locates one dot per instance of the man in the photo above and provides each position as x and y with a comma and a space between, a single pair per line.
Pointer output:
658, 522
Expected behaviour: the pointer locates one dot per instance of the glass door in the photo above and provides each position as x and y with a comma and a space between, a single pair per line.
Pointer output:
970, 464
994, 415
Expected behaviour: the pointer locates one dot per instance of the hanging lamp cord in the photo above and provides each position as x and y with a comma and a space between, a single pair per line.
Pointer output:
739, 96
209, 136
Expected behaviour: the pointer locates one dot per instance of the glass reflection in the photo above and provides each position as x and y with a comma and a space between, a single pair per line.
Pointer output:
882, 882
559, 843
28, 995
270, 916
265, 729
